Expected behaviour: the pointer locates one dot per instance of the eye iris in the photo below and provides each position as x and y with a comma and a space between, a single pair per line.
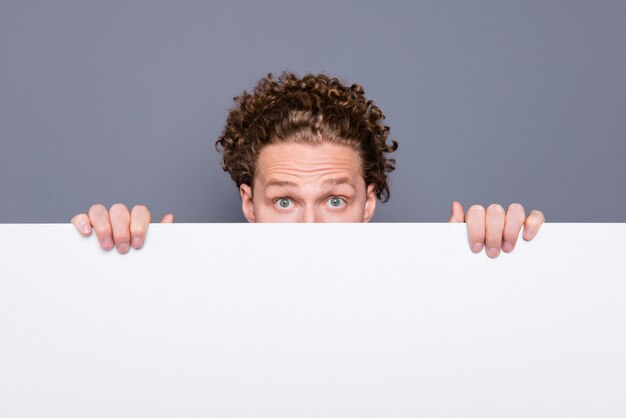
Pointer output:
284, 203
335, 202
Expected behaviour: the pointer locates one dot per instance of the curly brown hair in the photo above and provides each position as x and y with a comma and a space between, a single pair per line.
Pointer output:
312, 109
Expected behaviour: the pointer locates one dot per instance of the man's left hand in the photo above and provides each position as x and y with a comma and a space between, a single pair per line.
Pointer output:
494, 228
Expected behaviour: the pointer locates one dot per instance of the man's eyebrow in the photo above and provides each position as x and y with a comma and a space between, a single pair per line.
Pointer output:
338, 181
283, 184
326, 183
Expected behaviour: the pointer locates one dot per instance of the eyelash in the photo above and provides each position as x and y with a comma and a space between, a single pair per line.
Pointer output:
281, 198
344, 200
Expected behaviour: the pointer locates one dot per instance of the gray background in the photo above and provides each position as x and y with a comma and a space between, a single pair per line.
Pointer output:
490, 101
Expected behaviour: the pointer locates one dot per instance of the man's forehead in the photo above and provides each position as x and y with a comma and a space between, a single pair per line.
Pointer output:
325, 183
293, 156
292, 165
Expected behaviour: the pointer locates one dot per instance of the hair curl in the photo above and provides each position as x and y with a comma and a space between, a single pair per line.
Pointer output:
312, 109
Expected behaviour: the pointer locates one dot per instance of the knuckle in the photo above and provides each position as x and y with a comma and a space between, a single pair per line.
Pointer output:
140, 214
495, 207
537, 213
492, 244
120, 228
141, 208
118, 208
121, 233
532, 224
122, 238
516, 212
98, 216
510, 234
516, 207
97, 206
476, 209
103, 230
96, 209
136, 230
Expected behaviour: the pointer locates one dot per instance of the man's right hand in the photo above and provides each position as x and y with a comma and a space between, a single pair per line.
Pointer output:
117, 227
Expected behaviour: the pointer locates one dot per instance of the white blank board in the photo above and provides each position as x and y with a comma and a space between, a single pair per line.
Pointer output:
312, 320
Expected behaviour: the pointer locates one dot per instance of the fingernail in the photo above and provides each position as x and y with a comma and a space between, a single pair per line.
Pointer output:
123, 248
84, 229
528, 234
137, 242
477, 247
107, 243
493, 252
507, 247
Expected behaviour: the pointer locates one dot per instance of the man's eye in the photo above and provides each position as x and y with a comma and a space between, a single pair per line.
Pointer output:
336, 202
283, 203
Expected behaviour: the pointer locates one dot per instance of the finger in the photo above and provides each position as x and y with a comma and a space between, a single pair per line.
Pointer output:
168, 219
515, 216
532, 224
140, 218
99, 217
494, 227
82, 224
475, 219
120, 223
456, 214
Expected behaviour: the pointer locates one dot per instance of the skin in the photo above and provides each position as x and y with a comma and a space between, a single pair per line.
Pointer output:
297, 182
321, 183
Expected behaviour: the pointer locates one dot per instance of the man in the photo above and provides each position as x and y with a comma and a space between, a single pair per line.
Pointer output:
310, 149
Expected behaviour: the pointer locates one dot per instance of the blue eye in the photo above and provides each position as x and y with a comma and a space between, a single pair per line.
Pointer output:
283, 202
336, 202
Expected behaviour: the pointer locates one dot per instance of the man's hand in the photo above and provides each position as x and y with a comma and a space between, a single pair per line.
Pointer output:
494, 228
117, 227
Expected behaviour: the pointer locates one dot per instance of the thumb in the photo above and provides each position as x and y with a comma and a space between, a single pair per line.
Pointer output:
456, 214
168, 219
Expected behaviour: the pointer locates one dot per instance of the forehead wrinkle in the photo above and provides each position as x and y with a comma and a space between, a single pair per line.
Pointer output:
330, 184
286, 185
341, 181
290, 176
283, 165
309, 166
